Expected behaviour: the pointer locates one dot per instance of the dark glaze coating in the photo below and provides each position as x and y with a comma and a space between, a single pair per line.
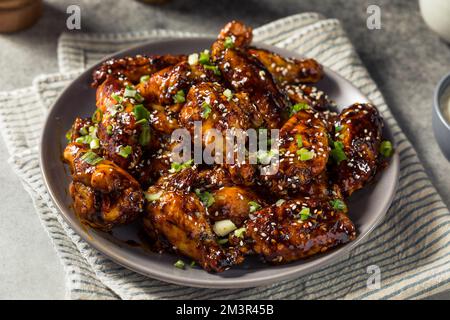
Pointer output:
288, 70
361, 136
104, 194
243, 72
133, 68
240, 87
280, 235
293, 173
180, 218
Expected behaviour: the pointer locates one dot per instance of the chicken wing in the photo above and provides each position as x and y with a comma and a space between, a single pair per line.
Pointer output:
356, 147
104, 194
298, 229
303, 154
181, 218
133, 68
288, 70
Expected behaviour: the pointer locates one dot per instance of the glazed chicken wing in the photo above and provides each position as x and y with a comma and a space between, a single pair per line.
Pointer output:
133, 68
288, 70
358, 135
104, 194
181, 218
245, 73
303, 154
297, 229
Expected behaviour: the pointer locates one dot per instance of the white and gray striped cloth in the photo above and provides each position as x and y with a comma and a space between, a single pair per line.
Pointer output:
411, 245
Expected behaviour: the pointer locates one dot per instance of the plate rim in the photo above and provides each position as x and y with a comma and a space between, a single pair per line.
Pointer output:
224, 283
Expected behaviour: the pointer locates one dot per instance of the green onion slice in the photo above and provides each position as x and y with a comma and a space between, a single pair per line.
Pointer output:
179, 264
152, 196
205, 197
130, 92
228, 43
254, 206
305, 155
305, 213
206, 110
239, 232
176, 167
386, 148
337, 152
204, 57
140, 112
228, 94
125, 151
145, 78
338, 204
298, 107
91, 157
144, 136
179, 97
97, 116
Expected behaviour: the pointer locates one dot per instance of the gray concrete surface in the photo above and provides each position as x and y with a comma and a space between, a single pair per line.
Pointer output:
404, 57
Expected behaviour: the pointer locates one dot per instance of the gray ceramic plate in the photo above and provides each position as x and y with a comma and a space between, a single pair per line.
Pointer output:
367, 207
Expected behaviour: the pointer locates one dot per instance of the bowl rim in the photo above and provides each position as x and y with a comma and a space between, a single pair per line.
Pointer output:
442, 85
332, 256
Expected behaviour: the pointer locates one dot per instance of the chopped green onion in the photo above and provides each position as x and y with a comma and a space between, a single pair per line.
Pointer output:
152, 196
254, 206
224, 227
138, 97
193, 59
95, 143
222, 241
109, 129
125, 151
305, 213
298, 107
239, 232
228, 94
91, 157
192, 264
228, 43
144, 136
204, 57
179, 264
299, 141
264, 157
338, 128
83, 131
179, 97
140, 112
144, 78
176, 167
130, 92
69, 135
305, 155
84, 139
205, 197
338, 204
113, 110
386, 148
337, 152
206, 110
214, 69
97, 116
280, 202
117, 97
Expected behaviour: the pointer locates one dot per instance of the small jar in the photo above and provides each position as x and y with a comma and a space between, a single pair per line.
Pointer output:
17, 15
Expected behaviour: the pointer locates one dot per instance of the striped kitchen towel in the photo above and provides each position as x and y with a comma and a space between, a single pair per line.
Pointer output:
411, 245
